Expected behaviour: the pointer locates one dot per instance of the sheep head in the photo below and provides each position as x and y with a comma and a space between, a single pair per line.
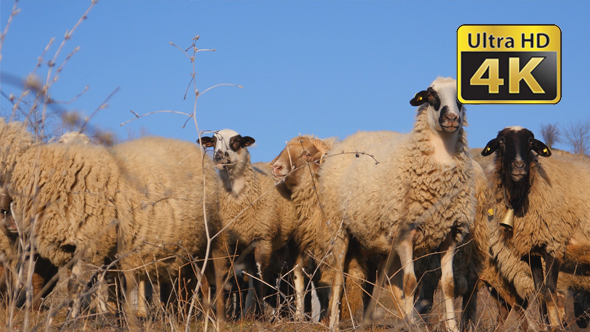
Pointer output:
513, 147
445, 112
300, 151
228, 146
7, 222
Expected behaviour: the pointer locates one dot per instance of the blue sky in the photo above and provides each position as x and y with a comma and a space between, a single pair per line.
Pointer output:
328, 68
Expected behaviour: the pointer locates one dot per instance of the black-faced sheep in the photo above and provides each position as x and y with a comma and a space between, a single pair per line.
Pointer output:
252, 211
545, 203
143, 203
415, 171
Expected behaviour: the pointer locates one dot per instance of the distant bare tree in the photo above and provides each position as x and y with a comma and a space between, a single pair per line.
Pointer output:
551, 134
577, 134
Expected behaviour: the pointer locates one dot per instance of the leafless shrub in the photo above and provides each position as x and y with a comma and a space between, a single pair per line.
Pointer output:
551, 134
577, 135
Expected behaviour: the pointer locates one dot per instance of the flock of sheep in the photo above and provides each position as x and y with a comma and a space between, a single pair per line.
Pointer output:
416, 208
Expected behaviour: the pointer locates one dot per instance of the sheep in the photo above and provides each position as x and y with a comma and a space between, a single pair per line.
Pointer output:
546, 201
14, 141
469, 261
482, 254
253, 212
425, 172
297, 166
475, 264
141, 202
472, 261
164, 186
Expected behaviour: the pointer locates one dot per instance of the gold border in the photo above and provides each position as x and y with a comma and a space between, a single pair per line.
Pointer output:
529, 26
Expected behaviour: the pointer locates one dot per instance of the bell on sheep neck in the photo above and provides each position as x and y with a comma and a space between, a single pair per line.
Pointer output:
508, 220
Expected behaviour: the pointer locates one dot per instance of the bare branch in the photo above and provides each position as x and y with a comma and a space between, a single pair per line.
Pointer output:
577, 134
551, 134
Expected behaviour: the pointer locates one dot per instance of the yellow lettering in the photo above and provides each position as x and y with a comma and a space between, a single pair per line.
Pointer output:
492, 66
516, 75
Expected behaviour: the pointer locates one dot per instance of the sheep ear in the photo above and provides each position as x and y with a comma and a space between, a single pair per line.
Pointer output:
322, 148
206, 141
541, 149
247, 141
420, 98
490, 147
274, 160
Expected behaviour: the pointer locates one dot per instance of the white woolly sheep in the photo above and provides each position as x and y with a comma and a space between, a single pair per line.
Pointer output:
253, 211
141, 202
547, 202
425, 174
469, 262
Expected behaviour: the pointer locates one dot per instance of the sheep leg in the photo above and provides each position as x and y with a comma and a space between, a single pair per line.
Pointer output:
340, 249
552, 266
141, 305
262, 256
580, 309
469, 306
76, 288
447, 280
220, 266
405, 249
539, 282
354, 282
299, 289
384, 268
133, 285
102, 296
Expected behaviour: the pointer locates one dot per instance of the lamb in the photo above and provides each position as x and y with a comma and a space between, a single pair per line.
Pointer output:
141, 202
426, 172
253, 212
546, 202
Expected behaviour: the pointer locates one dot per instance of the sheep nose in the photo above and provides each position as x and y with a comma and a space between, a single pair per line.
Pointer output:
276, 168
218, 155
518, 164
451, 117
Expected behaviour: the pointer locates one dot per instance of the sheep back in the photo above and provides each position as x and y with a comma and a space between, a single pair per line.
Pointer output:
70, 189
160, 203
15, 139
378, 199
